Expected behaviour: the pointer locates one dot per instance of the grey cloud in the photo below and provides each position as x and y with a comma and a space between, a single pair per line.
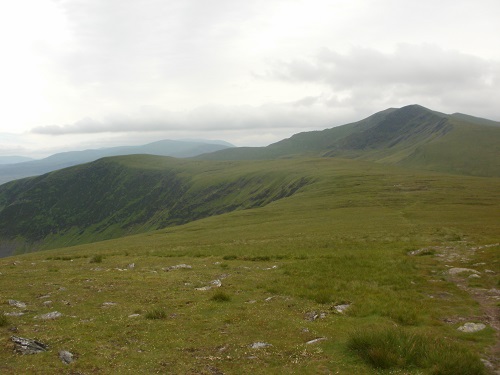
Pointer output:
423, 74
303, 114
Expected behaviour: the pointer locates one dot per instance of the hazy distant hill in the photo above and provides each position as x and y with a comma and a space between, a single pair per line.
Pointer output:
411, 136
179, 149
13, 159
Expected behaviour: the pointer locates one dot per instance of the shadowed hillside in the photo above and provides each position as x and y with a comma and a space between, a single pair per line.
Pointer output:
117, 196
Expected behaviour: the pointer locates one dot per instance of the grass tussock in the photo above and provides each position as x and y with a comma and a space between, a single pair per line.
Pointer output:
396, 348
96, 259
156, 314
220, 296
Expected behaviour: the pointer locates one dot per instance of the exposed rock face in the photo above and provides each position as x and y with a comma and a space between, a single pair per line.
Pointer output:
472, 327
28, 346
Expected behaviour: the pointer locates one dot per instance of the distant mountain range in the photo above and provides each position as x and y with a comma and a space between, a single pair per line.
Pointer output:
14, 159
412, 136
122, 195
19, 168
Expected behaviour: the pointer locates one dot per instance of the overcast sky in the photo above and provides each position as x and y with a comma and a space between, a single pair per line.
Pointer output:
91, 73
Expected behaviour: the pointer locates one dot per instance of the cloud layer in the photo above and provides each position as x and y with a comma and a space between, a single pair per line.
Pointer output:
248, 71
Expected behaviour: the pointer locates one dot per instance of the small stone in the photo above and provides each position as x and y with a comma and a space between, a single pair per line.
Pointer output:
28, 346
204, 288
216, 283
474, 276
18, 304
49, 316
15, 313
472, 327
311, 316
134, 315
131, 266
108, 304
66, 357
489, 271
259, 345
341, 308
316, 340
47, 303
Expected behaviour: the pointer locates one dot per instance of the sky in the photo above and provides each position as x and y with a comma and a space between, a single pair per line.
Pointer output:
77, 74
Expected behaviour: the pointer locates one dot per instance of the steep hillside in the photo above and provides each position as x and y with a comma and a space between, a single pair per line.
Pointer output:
412, 136
116, 196
179, 149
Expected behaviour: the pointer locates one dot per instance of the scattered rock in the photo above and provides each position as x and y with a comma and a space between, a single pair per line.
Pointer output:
177, 267
259, 345
28, 346
216, 283
131, 266
268, 299
108, 304
213, 284
134, 315
316, 340
474, 276
204, 288
44, 296
456, 270
489, 271
18, 304
472, 327
15, 313
66, 357
314, 315
49, 316
341, 308
47, 303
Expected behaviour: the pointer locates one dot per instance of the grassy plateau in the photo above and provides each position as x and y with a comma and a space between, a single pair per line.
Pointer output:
347, 272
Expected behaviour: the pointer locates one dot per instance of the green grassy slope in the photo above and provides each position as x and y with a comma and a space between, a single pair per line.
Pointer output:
342, 239
411, 136
113, 197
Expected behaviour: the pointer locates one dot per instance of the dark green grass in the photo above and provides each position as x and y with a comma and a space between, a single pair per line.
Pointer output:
390, 347
220, 296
